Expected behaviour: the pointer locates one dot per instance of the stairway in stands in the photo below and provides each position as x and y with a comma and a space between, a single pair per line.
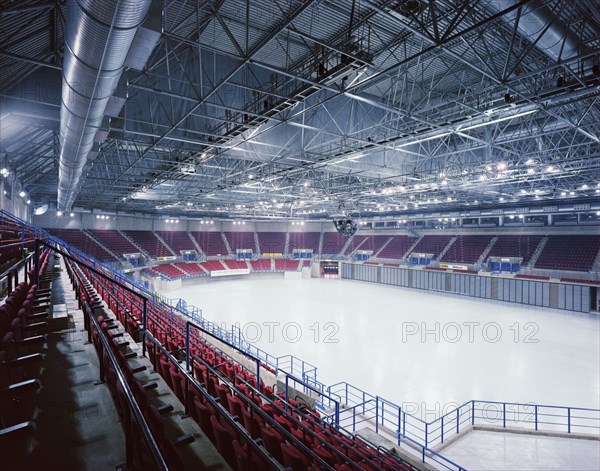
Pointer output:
412, 247
257, 243
87, 233
347, 244
226, 242
195, 242
446, 248
487, 250
383, 246
164, 242
134, 243
538, 252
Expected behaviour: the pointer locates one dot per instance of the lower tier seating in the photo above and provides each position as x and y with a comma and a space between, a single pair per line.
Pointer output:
229, 405
23, 329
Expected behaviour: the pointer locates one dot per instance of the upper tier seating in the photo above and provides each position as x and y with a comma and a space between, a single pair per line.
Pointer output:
370, 243
114, 241
333, 243
149, 242
515, 246
467, 248
210, 242
397, 247
11, 229
355, 244
241, 240
432, 244
271, 242
304, 240
78, 239
177, 240
569, 252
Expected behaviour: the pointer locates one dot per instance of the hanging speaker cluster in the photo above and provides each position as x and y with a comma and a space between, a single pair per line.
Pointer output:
346, 226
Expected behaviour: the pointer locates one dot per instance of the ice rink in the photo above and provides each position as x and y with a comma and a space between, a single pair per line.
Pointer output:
411, 346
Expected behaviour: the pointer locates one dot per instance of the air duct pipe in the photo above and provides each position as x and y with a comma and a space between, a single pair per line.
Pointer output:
98, 35
558, 42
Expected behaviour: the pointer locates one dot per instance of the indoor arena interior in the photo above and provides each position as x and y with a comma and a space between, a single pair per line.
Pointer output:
300, 235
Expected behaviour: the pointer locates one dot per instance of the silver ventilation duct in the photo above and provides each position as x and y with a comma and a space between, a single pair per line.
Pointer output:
557, 41
98, 35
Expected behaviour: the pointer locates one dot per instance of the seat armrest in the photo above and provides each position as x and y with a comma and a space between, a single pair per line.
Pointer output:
150, 386
17, 432
24, 360
30, 340
36, 325
165, 409
184, 440
20, 388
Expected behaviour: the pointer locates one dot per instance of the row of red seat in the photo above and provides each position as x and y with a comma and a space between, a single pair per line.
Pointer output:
229, 381
532, 277
22, 334
173, 271
13, 249
579, 280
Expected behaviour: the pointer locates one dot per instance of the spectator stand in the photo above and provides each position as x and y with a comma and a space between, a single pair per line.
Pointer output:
189, 255
244, 254
304, 254
504, 264
362, 255
420, 259
135, 259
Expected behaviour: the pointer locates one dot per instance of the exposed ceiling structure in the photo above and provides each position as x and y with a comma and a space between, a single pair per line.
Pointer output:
290, 108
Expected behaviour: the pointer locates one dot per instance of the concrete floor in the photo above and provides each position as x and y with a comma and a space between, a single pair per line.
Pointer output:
78, 426
501, 451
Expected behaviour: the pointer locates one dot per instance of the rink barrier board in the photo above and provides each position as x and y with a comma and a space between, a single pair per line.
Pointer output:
556, 295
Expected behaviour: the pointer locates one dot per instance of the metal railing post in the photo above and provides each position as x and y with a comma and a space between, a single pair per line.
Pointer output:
399, 423
536, 417
258, 378
376, 414
36, 275
286, 391
568, 420
144, 324
504, 415
457, 420
187, 346
442, 425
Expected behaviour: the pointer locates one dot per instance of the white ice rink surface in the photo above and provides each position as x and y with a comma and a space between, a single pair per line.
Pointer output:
509, 352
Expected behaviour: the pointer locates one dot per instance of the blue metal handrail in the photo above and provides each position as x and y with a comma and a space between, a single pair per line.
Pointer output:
428, 453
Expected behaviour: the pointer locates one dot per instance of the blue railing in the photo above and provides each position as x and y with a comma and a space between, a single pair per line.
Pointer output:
360, 407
